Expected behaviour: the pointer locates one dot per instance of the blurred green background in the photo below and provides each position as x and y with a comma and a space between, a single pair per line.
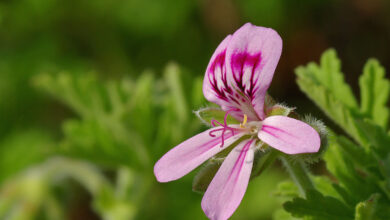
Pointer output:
92, 93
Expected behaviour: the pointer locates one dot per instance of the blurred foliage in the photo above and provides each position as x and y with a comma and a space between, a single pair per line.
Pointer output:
31, 194
109, 130
124, 122
360, 189
13, 155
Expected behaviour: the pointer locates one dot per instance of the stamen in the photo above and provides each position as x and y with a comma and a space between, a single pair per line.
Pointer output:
211, 133
242, 125
213, 122
223, 129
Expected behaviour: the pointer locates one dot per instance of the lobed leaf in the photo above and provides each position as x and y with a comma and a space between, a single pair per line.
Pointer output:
375, 89
325, 86
366, 210
358, 186
112, 129
360, 168
328, 74
374, 208
332, 106
318, 207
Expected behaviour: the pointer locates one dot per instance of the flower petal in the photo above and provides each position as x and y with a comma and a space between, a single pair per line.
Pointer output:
289, 135
191, 153
228, 187
241, 70
252, 57
215, 85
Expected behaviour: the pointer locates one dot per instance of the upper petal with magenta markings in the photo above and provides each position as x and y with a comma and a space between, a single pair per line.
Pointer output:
241, 70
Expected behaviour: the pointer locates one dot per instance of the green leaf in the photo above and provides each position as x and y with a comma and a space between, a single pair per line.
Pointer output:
287, 189
325, 186
325, 86
344, 194
354, 152
111, 130
374, 208
376, 136
328, 74
34, 145
319, 207
375, 89
29, 194
366, 210
359, 186
140, 107
360, 167
281, 214
176, 121
172, 77
197, 93
96, 142
83, 94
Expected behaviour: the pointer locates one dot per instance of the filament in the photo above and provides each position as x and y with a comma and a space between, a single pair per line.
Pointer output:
224, 128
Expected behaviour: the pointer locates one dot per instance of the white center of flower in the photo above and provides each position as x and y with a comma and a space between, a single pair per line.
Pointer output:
252, 127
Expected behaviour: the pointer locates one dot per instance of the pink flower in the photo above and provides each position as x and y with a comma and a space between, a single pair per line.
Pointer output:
237, 78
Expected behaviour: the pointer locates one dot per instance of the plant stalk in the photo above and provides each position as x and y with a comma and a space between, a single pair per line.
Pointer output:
299, 174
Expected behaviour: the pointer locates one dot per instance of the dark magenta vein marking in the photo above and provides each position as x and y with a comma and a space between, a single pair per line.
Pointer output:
269, 129
240, 160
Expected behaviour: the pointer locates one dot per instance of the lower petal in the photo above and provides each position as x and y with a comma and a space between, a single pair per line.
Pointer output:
188, 155
228, 187
289, 135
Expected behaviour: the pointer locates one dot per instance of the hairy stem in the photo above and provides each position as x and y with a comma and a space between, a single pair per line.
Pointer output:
299, 174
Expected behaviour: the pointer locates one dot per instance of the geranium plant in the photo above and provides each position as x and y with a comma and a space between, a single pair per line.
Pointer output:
237, 78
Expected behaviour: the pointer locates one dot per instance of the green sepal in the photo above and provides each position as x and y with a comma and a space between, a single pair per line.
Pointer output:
214, 113
269, 101
263, 158
206, 173
279, 109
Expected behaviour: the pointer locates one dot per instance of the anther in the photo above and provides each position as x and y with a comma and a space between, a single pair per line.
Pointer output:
242, 125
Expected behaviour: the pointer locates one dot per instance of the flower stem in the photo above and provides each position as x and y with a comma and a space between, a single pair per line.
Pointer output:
299, 174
